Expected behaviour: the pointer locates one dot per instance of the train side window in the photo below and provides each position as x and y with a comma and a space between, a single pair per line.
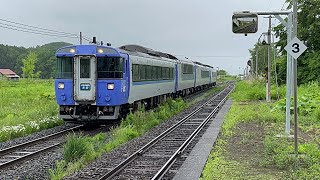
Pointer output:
183, 68
159, 73
204, 74
187, 69
154, 73
142, 72
135, 72
165, 73
149, 73
171, 73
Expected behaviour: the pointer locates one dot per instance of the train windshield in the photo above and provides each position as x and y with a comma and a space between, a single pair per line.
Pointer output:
110, 67
64, 68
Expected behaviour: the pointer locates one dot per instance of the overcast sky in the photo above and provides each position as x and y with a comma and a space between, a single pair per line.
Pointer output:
200, 30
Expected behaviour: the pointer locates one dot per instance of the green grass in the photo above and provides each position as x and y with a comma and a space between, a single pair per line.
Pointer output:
255, 91
224, 78
278, 160
133, 126
26, 106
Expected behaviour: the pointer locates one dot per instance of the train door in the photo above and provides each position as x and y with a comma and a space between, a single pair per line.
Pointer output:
84, 79
127, 75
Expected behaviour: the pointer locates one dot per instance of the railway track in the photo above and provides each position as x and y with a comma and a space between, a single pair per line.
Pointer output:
28, 149
154, 159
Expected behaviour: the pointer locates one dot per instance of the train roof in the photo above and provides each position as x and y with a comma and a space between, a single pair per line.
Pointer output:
87, 49
130, 49
201, 64
151, 52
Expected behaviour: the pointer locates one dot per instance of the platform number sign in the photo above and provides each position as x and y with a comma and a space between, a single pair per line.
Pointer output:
295, 48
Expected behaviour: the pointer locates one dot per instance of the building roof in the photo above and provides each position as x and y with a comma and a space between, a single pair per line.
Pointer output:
7, 72
13, 76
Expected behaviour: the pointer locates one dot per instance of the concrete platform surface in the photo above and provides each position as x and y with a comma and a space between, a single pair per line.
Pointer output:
195, 162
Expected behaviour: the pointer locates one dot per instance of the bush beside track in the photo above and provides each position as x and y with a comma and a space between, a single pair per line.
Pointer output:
248, 147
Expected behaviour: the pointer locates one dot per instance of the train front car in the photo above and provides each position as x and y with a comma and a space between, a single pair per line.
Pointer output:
91, 83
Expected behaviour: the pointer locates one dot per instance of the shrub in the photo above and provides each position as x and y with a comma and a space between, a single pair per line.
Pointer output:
75, 147
59, 172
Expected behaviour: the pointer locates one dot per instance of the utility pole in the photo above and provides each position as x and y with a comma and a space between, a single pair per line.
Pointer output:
295, 89
218, 73
80, 38
257, 54
269, 62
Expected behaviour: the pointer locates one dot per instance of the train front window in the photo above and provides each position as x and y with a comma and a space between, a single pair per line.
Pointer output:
84, 68
64, 68
110, 67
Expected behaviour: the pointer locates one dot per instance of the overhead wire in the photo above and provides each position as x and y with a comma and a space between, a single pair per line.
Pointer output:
26, 31
86, 38
212, 56
37, 28
34, 31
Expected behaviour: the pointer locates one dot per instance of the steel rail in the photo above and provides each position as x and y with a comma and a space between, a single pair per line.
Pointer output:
14, 148
28, 155
138, 153
173, 158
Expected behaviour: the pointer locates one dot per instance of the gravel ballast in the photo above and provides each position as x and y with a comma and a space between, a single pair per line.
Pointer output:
36, 167
109, 160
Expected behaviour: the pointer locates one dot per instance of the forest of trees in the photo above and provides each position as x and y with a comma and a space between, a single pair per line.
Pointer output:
11, 57
308, 32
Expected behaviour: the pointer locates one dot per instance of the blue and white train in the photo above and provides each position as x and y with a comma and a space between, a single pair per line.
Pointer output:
100, 83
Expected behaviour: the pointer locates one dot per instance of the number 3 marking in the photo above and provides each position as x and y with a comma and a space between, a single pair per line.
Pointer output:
296, 46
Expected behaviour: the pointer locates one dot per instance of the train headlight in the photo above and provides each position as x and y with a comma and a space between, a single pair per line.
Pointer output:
60, 85
110, 86
100, 50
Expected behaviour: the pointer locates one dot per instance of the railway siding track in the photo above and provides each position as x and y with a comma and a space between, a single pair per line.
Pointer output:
154, 159
28, 149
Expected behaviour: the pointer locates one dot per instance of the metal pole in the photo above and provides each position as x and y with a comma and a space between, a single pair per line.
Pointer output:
275, 66
289, 77
80, 38
218, 73
257, 54
269, 62
295, 29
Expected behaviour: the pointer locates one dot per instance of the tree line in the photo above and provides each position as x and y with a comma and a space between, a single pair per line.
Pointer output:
34, 62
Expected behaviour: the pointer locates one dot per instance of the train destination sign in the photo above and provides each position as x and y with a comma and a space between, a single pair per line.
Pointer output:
295, 48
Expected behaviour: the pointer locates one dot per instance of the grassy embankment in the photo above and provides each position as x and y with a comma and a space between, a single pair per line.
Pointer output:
81, 150
26, 106
248, 146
